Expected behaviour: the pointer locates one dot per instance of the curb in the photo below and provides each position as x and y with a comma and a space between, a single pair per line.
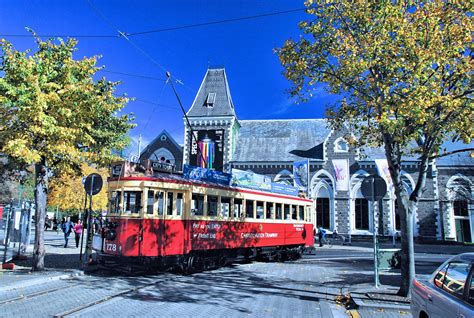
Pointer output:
362, 303
36, 281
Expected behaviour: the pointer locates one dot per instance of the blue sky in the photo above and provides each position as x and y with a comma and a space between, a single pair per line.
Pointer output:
245, 48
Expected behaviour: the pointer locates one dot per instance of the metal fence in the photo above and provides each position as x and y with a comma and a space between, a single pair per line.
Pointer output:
15, 229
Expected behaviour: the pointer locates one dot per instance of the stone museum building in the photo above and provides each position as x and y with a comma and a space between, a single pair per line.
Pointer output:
270, 147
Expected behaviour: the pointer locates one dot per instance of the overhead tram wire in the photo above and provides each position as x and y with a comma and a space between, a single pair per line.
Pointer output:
135, 75
187, 119
122, 34
216, 22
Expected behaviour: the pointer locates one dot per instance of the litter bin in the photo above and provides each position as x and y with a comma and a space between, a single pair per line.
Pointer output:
388, 258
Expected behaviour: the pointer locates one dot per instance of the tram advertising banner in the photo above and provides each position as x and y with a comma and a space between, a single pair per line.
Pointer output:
203, 174
251, 180
208, 151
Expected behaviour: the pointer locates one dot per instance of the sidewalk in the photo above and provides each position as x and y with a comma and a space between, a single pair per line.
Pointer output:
59, 263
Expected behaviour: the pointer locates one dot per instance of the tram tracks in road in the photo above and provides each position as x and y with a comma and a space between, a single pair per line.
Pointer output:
36, 294
104, 299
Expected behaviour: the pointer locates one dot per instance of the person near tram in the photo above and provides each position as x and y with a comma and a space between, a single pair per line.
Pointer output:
67, 228
78, 232
321, 236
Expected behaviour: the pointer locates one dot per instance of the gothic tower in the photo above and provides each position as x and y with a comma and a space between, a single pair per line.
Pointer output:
214, 123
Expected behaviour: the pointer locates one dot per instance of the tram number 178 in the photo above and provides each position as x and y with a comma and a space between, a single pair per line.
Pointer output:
111, 247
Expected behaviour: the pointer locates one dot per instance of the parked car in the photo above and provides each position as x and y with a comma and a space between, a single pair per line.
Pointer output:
449, 292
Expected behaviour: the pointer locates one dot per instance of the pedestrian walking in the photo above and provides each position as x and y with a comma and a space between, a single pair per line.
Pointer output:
321, 236
67, 228
78, 232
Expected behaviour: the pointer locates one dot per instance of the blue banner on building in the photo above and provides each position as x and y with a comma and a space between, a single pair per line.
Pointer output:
300, 174
203, 174
284, 189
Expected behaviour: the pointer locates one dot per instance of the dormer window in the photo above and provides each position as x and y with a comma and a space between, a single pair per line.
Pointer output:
211, 98
340, 145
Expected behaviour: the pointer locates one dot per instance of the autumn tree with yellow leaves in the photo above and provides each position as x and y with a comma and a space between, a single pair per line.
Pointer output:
404, 71
53, 114
67, 191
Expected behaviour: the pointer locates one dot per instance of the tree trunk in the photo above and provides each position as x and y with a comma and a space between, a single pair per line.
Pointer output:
407, 269
41, 194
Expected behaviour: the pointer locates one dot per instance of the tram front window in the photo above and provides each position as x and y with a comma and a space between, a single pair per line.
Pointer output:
115, 202
132, 200
197, 204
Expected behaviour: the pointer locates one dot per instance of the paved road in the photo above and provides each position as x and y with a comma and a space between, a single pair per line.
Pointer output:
304, 288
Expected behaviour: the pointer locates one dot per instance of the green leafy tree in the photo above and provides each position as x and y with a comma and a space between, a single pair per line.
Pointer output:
404, 70
53, 114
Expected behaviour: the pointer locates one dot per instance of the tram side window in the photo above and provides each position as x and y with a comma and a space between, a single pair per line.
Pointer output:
212, 201
197, 204
286, 210
249, 208
150, 201
179, 204
160, 197
294, 215
132, 201
238, 208
301, 213
225, 206
270, 213
278, 211
259, 210
169, 204
115, 202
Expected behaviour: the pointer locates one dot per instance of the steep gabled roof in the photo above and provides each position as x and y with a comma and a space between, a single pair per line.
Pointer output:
215, 81
280, 140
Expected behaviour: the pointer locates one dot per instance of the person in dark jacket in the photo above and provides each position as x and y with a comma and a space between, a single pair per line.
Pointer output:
67, 228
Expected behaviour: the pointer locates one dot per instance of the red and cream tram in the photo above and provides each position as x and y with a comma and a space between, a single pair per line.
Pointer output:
165, 220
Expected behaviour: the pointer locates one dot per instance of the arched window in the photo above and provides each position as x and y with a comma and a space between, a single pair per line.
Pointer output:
163, 155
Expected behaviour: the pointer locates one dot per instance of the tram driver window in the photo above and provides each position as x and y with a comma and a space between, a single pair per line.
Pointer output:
225, 206
259, 210
115, 202
212, 201
238, 208
160, 198
197, 204
132, 200
249, 209
278, 211
169, 204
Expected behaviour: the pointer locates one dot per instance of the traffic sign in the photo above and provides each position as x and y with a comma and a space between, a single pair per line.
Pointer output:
93, 184
373, 188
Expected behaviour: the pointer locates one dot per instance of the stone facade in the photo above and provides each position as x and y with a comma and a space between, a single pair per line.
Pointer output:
445, 210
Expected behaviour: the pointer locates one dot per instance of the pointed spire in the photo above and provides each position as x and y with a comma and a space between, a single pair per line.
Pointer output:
213, 97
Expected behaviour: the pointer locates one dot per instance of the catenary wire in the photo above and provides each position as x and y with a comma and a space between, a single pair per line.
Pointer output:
135, 75
121, 34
